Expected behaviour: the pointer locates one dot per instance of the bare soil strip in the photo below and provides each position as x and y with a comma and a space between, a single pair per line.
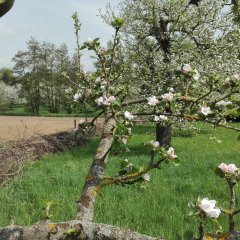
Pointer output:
18, 128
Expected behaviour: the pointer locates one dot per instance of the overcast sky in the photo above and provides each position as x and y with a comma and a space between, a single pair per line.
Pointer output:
50, 20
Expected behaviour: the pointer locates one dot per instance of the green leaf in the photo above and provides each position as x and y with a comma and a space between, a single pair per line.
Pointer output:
117, 23
5, 6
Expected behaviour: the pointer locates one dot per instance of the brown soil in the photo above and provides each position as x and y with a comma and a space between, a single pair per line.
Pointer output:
21, 128
15, 154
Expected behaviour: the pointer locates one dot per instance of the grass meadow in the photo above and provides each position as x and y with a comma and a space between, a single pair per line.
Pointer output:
158, 208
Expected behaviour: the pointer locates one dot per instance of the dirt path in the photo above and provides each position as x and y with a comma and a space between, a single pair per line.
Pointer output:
22, 128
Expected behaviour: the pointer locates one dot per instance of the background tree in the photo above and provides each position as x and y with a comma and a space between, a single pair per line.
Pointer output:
163, 35
39, 69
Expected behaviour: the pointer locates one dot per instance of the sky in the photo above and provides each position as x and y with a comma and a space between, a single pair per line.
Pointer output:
50, 20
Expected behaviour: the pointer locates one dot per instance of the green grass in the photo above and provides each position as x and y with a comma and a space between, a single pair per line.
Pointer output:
160, 209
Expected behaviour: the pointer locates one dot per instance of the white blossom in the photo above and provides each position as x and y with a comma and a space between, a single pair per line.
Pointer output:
156, 118
162, 117
236, 76
81, 121
167, 96
171, 90
227, 81
77, 96
208, 206
152, 101
124, 140
223, 103
186, 68
111, 99
128, 115
171, 153
196, 75
205, 110
90, 41
146, 177
154, 144
100, 100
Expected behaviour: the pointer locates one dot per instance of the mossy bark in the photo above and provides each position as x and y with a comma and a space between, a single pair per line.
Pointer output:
85, 211
73, 230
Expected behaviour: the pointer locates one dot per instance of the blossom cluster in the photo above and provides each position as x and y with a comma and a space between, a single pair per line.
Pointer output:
168, 96
102, 82
205, 111
160, 118
170, 152
128, 116
152, 101
106, 101
228, 168
187, 69
209, 208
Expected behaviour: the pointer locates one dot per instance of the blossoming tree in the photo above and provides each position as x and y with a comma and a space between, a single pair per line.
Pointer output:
160, 36
193, 100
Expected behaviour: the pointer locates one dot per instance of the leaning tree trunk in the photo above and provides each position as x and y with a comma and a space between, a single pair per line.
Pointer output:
85, 211
163, 135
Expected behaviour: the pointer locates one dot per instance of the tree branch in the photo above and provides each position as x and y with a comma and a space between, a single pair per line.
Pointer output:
70, 230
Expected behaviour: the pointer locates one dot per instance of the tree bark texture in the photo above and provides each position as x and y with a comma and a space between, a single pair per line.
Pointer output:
163, 135
73, 230
85, 205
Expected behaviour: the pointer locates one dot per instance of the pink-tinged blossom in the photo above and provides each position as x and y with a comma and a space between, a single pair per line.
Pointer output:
205, 110
105, 101
128, 115
146, 177
186, 68
152, 101
208, 206
168, 96
228, 168
171, 153
111, 99
154, 144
